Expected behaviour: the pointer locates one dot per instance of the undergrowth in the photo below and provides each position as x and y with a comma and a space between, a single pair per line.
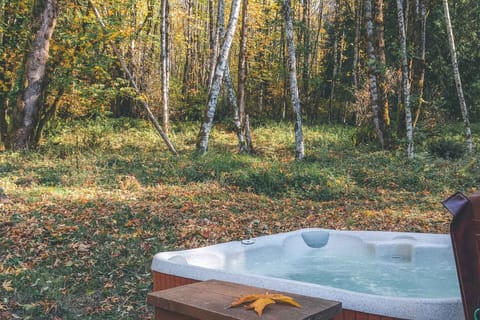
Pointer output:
106, 154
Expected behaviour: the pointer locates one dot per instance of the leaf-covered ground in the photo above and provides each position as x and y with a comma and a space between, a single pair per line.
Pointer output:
73, 255
81, 227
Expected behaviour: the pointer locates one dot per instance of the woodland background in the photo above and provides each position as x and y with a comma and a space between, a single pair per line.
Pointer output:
90, 191
83, 78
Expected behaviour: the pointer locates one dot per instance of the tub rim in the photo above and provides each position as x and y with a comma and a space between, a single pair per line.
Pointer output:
398, 307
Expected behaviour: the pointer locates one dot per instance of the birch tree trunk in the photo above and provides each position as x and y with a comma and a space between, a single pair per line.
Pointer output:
405, 80
242, 76
299, 146
458, 80
372, 71
165, 57
207, 124
28, 106
229, 82
236, 112
211, 40
248, 136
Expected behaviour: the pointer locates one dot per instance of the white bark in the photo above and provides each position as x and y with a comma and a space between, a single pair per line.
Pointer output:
218, 78
236, 111
299, 145
35, 70
405, 80
458, 80
165, 57
232, 97
248, 136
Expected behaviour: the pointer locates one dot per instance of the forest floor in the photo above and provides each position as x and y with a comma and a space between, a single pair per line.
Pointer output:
87, 211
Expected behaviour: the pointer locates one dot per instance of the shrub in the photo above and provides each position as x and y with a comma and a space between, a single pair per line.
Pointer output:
447, 149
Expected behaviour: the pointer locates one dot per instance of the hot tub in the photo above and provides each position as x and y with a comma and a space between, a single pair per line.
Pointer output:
388, 274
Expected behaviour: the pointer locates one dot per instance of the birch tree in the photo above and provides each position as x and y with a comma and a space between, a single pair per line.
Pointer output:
165, 58
232, 98
28, 106
405, 80
292, 62
236, 112
458, 80
221, 65
242, 79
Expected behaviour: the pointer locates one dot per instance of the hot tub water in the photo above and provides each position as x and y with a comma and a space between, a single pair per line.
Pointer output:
397, 278
398, 267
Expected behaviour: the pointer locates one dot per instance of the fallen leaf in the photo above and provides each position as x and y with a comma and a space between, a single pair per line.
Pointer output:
285, 299
83, 247
260, 304
7, 285
245, 298
260, 300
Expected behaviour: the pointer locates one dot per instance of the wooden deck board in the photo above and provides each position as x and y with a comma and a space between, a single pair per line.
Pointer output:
211, 300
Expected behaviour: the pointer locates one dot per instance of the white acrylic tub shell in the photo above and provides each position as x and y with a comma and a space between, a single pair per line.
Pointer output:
218, 261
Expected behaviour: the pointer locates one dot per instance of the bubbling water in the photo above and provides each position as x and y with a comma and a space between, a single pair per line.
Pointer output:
398, 277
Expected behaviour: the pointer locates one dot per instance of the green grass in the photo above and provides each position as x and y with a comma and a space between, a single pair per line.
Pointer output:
98, 199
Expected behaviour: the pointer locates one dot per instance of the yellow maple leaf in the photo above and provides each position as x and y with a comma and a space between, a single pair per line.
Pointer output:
259, 301
285, 299
260, 304
245, 299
